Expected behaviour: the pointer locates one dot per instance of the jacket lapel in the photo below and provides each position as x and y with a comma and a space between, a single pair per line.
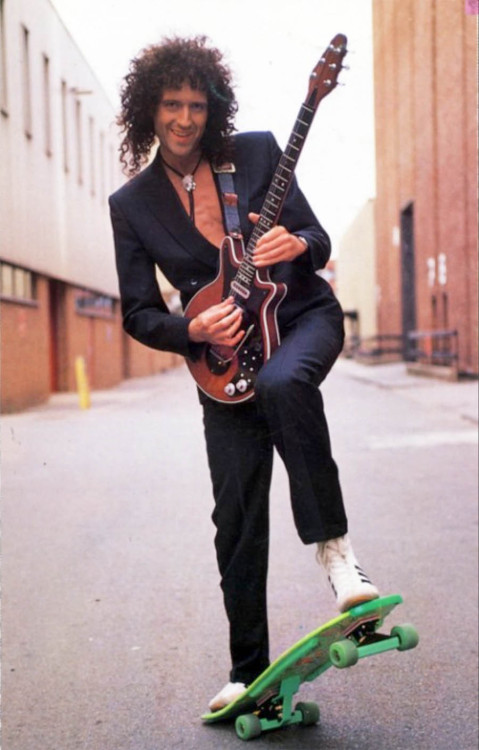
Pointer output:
163, 202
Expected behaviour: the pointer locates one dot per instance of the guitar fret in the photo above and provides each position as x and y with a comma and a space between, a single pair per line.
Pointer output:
305, 110
261, 227
241, 276
302, 127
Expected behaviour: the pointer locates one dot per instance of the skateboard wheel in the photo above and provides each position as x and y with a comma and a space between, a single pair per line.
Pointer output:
343, 654
309, 713
248, 726
407, 636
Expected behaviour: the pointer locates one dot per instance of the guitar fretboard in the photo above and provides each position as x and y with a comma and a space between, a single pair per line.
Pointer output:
283, 177
275, 198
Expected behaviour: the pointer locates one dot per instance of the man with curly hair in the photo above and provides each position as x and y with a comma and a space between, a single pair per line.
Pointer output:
169, 215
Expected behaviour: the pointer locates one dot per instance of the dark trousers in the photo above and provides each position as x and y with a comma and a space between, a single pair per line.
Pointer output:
287, 414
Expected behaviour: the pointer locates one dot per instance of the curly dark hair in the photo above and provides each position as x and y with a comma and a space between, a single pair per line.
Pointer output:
168, 65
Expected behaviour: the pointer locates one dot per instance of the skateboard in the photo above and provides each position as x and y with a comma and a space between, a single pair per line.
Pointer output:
268, 702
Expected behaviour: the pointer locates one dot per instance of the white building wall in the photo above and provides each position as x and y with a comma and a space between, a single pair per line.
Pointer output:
356, 270
58, 152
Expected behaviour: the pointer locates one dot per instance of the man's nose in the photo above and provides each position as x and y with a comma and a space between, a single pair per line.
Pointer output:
184, 116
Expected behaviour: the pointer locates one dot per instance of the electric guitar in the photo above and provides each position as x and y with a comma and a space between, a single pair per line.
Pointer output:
229, 374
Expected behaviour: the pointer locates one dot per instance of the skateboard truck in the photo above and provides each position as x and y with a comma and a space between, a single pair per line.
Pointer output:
278, 712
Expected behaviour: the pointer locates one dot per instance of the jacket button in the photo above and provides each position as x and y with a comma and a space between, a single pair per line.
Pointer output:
193, 282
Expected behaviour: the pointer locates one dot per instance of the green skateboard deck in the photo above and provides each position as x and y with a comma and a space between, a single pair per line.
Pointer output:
268, 702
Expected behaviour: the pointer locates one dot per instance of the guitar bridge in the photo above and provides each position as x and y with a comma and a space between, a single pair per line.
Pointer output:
223, 362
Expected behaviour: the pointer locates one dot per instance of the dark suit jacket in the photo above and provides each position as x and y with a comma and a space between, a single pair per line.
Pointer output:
151, 228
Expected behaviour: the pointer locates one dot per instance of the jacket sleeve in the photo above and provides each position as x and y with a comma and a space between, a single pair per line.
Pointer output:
145, 314
298, 218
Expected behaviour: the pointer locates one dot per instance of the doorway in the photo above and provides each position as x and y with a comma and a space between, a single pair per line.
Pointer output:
57, 335
408, 278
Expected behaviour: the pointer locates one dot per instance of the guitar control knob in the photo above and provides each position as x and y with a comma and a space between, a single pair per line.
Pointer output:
229, 389
241, 385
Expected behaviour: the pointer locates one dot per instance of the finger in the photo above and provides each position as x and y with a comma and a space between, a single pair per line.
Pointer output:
232, 326
276, 248
271, 244
253, 217
272, 235
235, 325
233, 340
228, 303
227, 322
219, 311
268, 256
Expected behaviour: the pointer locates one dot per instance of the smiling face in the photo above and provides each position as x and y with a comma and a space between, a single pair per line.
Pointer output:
180, 121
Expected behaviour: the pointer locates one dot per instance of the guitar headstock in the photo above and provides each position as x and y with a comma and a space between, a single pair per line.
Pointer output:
324, 77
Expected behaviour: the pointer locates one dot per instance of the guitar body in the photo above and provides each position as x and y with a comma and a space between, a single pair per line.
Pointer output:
225, 374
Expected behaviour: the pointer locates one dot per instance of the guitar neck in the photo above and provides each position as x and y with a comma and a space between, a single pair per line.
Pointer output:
323, 80
282, 178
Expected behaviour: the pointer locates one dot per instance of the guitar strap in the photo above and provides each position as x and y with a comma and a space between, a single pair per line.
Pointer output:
229, 198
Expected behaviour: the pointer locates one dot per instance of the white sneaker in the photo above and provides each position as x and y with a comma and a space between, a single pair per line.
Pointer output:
348, 580
227, 695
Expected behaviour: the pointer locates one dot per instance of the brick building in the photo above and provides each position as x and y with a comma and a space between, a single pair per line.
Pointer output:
425, 68
58, 287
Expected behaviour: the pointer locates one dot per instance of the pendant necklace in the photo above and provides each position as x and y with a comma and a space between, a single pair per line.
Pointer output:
189, 184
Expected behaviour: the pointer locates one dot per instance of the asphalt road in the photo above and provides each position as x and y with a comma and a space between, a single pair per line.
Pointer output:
113, 627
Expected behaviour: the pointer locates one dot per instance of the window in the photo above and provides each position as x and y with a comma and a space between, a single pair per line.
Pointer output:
111, 170
66, 152
3, 63
26, 83
97, 305
47, 106
91, 128
17, 283
102, 156
79, 140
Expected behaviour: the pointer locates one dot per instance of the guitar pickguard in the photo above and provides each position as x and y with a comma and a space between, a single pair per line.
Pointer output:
244, 362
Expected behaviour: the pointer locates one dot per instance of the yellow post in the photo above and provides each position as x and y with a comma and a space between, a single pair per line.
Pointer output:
82, 383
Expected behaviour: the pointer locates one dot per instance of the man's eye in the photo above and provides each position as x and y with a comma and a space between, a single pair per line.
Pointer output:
170, 105
199, 107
